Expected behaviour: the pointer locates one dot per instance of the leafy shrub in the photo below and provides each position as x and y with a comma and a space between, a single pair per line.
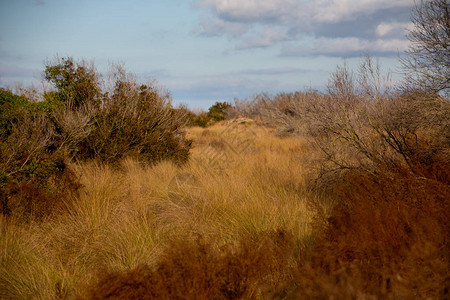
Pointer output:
137, 121
11, 108
217, 112
76, 84
201, 120
130, 119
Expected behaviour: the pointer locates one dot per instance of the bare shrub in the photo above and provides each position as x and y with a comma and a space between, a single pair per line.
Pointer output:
286, 112
135, 120
362, 123
414, 126
33, 93
328, 119
390, 153
427, 62
256, 108
385, 157
73, 126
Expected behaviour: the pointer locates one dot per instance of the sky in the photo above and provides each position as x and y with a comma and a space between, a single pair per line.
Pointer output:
203, 51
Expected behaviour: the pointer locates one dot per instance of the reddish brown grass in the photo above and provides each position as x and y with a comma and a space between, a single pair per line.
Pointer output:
195, 269
388, 236
33, 200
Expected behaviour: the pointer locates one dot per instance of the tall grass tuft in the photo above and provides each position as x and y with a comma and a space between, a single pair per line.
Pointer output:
131, 215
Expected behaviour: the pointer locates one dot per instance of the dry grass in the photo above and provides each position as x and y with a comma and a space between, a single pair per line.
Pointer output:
236, 222
127, 217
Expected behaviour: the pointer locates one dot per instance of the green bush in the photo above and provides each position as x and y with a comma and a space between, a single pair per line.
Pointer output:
202, 120
217, 112
11, 108
76, 84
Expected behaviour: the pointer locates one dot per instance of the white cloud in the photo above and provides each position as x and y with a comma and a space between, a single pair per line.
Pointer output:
332, 11
348, 47
384, 29
251, 10
267, 38
337, 25
321, 11
391, 45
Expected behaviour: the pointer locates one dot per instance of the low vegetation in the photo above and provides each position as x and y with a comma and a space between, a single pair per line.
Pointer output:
107, 191
135, 217
384, 163
256, 212
80, 119
217, 112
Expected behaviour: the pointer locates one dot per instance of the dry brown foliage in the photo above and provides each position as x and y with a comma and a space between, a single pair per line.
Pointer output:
197, 269
36, 179
389, 234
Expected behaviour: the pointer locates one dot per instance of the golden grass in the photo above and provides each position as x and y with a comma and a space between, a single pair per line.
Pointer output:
241, 181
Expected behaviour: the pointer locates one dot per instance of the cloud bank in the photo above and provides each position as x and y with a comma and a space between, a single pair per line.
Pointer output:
310, 27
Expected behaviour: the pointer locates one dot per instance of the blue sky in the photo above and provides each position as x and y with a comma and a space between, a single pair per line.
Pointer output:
204, 51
